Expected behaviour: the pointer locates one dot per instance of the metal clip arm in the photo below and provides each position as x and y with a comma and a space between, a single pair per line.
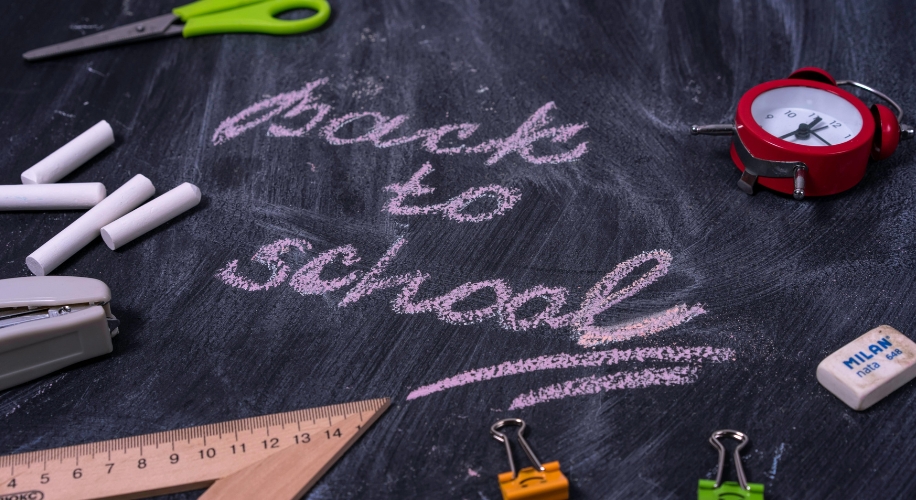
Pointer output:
742, 442
499, 436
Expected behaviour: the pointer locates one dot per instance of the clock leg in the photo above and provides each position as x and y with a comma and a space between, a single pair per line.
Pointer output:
800, 173
747, 182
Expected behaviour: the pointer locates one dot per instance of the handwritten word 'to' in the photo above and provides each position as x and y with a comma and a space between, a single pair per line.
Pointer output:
506, 305
454, 209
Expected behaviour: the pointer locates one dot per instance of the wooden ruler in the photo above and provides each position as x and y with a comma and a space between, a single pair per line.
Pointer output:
273, 454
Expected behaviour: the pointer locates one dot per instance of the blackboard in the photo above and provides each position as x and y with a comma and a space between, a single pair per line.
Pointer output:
756, 290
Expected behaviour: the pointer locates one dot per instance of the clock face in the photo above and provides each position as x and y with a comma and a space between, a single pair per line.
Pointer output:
806, 116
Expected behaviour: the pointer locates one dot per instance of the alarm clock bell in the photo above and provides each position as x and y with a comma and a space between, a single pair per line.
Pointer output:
806, 136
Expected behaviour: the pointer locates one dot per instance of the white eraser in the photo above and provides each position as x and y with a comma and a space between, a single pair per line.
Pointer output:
86, 228
869, 368
73, 154
51, 196
150, 216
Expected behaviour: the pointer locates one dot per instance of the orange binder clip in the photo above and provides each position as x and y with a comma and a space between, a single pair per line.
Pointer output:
541, 482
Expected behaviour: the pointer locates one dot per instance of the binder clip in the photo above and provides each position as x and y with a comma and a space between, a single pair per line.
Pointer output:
541, 482
729, 490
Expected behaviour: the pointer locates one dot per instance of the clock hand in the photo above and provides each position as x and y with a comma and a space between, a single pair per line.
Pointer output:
804, 127
821, 138
815, 130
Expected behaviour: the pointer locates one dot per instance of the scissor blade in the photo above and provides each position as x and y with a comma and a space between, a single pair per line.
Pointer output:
154, 27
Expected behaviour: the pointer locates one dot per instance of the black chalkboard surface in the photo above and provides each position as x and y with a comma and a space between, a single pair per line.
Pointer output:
481, 210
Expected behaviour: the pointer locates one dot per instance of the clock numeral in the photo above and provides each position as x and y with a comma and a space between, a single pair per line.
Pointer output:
836, 124
769, 116
812, 114
790, 114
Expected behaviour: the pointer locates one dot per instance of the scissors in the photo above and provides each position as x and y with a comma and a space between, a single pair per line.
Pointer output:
204, 17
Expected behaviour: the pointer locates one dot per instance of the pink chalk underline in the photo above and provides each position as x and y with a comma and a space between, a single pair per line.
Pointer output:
678, 375
563, 360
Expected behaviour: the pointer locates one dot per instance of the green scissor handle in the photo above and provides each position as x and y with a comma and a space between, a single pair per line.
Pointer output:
209, 17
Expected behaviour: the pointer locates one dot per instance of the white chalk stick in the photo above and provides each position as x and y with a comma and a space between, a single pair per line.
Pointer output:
51, 196
150, 216
86, 228
73, 154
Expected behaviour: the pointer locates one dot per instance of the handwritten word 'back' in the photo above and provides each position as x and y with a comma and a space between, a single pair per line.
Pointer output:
281, 111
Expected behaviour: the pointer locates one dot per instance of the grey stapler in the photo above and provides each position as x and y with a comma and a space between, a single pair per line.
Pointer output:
49, 322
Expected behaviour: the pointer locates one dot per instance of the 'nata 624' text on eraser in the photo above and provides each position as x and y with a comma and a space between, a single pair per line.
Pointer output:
869, 368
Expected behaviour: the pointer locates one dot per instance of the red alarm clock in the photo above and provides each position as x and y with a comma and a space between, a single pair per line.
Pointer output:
806, 136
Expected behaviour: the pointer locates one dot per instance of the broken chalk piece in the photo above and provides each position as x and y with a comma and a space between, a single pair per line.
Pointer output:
150, 216
869, 368
72, 196
85, 229
70, 156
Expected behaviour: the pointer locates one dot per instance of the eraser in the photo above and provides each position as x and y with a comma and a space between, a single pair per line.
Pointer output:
51, 196
150, 216
869, 368
85, 229
73, 154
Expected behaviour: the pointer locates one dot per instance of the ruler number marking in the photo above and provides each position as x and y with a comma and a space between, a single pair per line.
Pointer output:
272, 442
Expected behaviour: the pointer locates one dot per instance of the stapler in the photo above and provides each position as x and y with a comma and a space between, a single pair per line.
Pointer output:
49, 322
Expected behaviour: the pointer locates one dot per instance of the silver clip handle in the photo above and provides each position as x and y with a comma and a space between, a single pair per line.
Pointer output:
742, 442
499, 436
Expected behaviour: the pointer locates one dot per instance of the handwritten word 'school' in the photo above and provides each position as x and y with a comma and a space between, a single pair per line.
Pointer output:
454, 209
505, 307
282, 111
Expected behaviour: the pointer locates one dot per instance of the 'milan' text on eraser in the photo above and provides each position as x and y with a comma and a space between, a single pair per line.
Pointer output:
869, 368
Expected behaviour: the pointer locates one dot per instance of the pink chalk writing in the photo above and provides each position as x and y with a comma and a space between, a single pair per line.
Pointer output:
677, 375
604, 294
267, 109
503, 306
268, 255
307, 280
288, 106
563, 360
372, 281
648, 325
454, 209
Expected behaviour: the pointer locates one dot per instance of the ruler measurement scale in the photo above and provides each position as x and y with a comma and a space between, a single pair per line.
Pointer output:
191, 458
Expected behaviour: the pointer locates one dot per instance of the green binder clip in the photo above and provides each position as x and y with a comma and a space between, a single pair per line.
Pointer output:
729, 490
